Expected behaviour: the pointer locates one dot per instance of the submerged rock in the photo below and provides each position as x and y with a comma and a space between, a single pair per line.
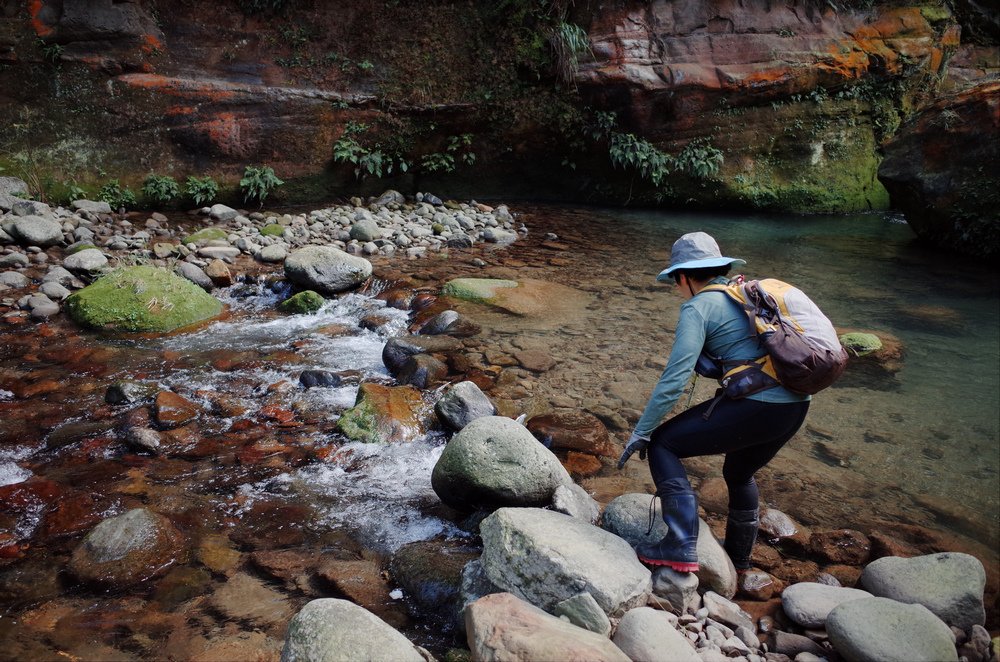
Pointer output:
326, 269
431, 573
141, 299
494, 461
127, 549
546, 557
330, 630
503, 627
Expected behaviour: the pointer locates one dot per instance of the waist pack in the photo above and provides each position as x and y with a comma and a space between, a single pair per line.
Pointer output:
804, 353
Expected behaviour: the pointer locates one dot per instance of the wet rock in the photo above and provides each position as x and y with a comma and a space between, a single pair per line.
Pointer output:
451, 323
775, 524
494, 461
144, 439
422, 371
843, 546
545, 557
128, 392
384, 414
320, 378
481, 290
583, 611
883, 629
216, 553
648, 634
397, 350
463, 403
758, 585
172, 411
884, 544
292, 566
809, 603
33, 230
141, 299
841, 575
247, 599
302, 303
86, 262
860, 344
535, 361
326, 269
431, 574
361, 582
949, 584
127, 549
74, 431
680, 589
574, 431
503, 627
332, 629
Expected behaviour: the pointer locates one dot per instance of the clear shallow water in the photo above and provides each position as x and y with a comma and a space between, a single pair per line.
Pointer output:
919, 447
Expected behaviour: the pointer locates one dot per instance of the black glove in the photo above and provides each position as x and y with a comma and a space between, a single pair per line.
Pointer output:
635, 443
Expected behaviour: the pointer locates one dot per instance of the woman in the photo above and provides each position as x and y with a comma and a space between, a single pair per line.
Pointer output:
749, 431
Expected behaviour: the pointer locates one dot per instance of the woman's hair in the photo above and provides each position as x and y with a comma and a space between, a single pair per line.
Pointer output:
703, 274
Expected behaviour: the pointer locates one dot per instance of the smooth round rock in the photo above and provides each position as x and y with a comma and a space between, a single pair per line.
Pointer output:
463, 403
326, 269
889, 631
127, 549
332, 630
809, 603
86, 261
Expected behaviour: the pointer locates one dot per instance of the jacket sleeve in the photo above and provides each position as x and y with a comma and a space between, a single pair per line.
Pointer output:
689, 339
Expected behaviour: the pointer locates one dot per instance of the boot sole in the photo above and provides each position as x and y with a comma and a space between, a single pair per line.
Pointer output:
679, 566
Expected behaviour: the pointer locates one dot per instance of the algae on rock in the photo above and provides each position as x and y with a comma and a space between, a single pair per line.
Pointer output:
142, 298
306, 301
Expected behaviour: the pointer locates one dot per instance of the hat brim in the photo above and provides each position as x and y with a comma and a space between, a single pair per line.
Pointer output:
700, 264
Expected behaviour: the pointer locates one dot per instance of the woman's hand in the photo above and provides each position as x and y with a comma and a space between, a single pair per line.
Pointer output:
635, 443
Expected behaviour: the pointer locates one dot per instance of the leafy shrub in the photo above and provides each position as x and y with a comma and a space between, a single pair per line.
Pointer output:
438, 162
258, 182
160, 189
628, 151
699, 159
569, 41
201, 189
116, 196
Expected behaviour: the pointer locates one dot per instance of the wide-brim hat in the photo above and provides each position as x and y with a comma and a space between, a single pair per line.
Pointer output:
696, 250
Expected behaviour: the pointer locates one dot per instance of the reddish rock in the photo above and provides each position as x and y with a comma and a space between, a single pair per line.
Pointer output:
941, 172
127, 549
291, 566
171, 410
847, 575
535, 361
72, 513
793, 571
365, 585
758, 609
884, 544
219, 272
581, 465
575, 431
840, 547
713, 495
758, 585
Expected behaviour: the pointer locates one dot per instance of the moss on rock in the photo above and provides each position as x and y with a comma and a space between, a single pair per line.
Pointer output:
206, 235
303, 302
476, 289
142, 298
272, 230
861, 343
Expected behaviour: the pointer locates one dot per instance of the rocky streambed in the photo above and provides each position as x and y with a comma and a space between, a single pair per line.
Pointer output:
306, 467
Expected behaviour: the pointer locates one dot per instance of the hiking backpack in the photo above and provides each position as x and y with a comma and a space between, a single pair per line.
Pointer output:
804, 353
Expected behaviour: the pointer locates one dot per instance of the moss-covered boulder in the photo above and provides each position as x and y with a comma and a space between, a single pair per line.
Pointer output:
861, 343
273, 230
384, 414
206, 235
142, 298
303, 302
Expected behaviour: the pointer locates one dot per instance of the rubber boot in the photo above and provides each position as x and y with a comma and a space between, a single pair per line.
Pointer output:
741, 533
679, 548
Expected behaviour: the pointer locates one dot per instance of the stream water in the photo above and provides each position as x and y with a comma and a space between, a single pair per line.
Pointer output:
265, 471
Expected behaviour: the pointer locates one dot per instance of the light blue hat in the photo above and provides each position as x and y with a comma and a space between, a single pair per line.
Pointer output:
696, 250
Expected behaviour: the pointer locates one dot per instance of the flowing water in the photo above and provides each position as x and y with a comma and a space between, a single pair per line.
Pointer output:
917, 444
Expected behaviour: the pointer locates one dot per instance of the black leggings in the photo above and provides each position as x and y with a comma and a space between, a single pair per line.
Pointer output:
749, 432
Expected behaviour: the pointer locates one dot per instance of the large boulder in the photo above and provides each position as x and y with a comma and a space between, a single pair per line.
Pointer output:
494, 461
384, 414
34, 231
503, 627
142, 298
649, 634
950, 584
627, 516
940, 170
326, 269
546, 557
883, 629
463, 403
332, 630
127, 549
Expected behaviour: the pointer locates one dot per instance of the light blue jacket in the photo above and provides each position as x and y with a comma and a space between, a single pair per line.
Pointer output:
713, 322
